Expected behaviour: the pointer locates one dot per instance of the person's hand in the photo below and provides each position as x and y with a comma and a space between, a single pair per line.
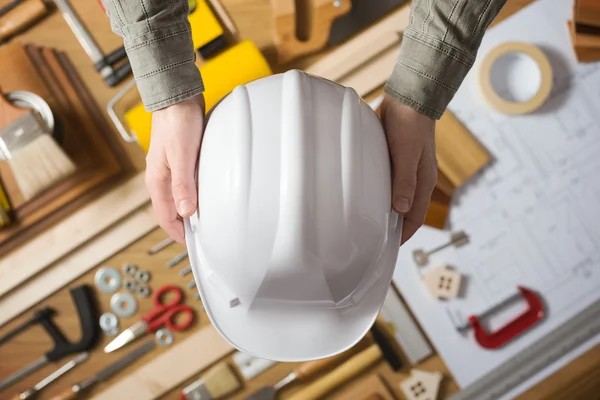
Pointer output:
411, 141
171, 163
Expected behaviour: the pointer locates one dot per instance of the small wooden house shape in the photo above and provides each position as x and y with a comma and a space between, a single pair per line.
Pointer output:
443, 282
422, 385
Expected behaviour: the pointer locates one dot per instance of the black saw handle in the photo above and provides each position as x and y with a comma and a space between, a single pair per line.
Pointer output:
88, 321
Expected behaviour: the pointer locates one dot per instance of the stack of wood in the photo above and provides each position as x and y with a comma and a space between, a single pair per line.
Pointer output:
584, 30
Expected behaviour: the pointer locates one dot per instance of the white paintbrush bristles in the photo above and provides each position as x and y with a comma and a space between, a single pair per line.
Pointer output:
40, 164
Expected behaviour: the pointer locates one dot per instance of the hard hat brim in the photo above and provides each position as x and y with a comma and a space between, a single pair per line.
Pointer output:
293, 334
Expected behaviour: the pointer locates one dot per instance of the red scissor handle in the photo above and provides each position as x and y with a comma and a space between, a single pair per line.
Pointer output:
494, 340
169, 317
161, 309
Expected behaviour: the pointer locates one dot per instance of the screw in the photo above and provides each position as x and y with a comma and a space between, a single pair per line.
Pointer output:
159, 246
177, 259
185, 271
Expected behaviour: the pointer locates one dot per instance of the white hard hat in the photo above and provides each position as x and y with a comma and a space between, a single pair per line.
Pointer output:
295, 242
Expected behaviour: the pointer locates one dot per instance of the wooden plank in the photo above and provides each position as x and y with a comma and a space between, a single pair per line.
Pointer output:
81, 226
78, 262
437, 212
170, 369
374, 73
362, 48
367, 387
587, 12
583, 54
459, 154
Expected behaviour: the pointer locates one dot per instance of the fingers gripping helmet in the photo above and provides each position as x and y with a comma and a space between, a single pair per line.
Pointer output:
295, 241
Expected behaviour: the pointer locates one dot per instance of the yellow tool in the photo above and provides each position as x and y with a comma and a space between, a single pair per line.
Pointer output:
236, 66
207, 34
4, 207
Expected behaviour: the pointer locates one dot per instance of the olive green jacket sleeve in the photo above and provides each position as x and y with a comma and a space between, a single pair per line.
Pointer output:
158, 42
437, 51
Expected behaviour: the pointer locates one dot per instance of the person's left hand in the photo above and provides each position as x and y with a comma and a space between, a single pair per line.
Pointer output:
171, 163
411, 141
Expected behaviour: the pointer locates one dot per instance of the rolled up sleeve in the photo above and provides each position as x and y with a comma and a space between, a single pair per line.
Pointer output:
438, 49
158, 42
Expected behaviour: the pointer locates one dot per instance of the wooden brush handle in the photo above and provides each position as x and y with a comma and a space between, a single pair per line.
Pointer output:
9, 113
341, 374
21, 17
312, 368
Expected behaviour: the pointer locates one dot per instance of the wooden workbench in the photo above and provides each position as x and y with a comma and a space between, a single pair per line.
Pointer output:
252, 17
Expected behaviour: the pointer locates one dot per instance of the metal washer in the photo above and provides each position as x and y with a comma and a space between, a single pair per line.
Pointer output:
142, 275
107, 279
130, 269
123, 304
164, 337
143, 290
109, 323
131, 285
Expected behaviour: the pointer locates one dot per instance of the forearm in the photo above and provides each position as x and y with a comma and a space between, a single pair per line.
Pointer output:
158, 42
438, 50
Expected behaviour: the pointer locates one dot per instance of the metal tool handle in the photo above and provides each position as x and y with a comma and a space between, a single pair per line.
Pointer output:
110, 109
112, 58
341, 374
81, 33
39, 316
90, 330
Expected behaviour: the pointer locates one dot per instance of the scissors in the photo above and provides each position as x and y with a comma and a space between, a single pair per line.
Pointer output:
163, 314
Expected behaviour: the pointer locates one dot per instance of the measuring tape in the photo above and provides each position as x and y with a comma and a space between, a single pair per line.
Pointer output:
570, 335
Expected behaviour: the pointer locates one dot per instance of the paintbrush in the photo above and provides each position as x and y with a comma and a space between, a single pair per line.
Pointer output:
36, 160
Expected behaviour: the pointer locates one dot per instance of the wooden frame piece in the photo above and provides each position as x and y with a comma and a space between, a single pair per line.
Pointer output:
312, 22
81, 226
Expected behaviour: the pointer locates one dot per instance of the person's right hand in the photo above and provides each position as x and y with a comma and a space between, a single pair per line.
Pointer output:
411, 141
171, 163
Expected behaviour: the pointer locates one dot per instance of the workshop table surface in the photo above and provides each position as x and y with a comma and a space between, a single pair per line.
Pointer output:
253, 18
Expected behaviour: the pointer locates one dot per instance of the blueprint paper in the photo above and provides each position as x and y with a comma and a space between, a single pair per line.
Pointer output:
533, 215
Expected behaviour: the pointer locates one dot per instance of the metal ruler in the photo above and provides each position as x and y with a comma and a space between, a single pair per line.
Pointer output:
570, 335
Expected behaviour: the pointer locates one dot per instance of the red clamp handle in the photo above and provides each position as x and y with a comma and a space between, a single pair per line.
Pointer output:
526, 320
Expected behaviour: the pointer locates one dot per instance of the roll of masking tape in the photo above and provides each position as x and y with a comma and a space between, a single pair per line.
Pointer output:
494, 100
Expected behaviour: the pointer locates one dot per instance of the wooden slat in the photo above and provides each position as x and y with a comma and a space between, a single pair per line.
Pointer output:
81, 226
170, 369
459, 154
116, 238
362, 48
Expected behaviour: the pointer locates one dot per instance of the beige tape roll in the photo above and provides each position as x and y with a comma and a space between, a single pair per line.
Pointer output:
494, 100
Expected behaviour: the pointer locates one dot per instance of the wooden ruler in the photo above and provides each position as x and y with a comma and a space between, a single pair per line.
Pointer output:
171, 368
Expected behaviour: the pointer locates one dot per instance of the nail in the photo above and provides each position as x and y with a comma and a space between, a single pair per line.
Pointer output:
402, 205
184, 206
